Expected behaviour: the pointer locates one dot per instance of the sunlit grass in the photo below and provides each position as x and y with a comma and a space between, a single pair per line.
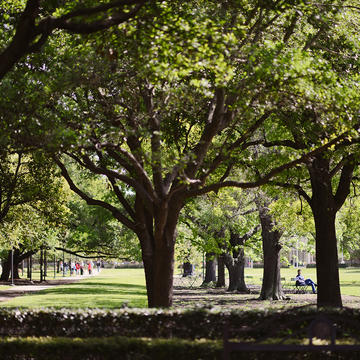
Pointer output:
112, 289
349, 277
108, 290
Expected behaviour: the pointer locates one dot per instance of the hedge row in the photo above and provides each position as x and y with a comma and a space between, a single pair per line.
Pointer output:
184, 324
138, 349
107, 348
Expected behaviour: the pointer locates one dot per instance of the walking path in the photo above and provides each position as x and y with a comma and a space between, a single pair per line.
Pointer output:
23, 286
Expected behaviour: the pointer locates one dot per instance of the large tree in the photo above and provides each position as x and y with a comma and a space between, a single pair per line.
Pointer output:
324, 179
164, 112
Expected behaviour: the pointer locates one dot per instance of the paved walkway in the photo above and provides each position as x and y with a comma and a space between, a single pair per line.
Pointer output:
21, 289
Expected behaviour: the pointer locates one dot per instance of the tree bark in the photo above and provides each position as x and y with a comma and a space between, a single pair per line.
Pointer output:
28, 267
271, 286
157, 239
235, 265
235, 260
324, 207
42, 265
221, 271
187, 269
210, 268
6, 268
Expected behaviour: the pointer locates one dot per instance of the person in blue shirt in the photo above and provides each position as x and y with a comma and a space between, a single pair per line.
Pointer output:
300, 281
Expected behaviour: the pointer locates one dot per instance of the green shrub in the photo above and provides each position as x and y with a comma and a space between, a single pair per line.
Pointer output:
121, 348
108, 348
184, 324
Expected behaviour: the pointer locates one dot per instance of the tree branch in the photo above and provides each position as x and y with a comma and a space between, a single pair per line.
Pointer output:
90, 201
239, 143
97, 253
211, 129
343, 189
266, 178
295, 187
30, 37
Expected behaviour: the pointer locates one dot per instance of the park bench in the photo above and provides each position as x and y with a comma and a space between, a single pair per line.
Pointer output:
320, 328
299, 289
188, 281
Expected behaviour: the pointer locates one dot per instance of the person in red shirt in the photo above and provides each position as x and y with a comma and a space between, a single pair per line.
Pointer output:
77, 267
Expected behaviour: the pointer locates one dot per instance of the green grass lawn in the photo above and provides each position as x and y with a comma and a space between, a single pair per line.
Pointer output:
108, 290
349, 277
112, 288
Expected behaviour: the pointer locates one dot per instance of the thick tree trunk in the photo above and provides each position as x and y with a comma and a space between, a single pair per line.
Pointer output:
16, 269
324, 210
271, 286
163, 275
6, 268
18, 258
210, 268
158, 244
159, 271
327, 270
221, 271
235, 266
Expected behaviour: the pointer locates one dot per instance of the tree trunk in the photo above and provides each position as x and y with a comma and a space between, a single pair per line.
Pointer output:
28, 267
324, 211
6, 268
271, 286
210, 269
16, 268
45, 265
327, 270
187, 269
18, 258
159, 271
235, 265
158, 243
41, 265
221, 271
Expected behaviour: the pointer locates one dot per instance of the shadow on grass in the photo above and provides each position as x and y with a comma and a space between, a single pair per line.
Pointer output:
350, 284
95, 289
81, 295
110, 284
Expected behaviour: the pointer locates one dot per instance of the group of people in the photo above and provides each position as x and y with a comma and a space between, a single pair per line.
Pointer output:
78, 268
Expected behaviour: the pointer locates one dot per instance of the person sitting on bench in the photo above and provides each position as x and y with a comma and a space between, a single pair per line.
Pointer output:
300, 281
